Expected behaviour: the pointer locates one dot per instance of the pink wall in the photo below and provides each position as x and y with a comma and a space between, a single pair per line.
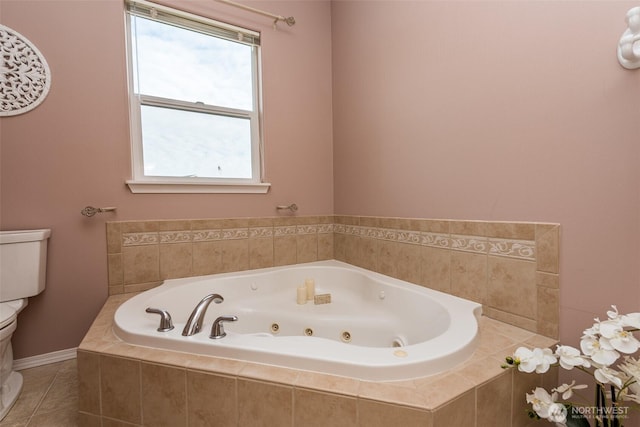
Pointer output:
73, 150
513, 110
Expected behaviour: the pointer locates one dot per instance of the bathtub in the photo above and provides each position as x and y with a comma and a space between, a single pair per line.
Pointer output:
374, 328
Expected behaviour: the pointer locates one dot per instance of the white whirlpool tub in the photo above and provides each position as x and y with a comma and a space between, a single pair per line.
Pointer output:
375, 328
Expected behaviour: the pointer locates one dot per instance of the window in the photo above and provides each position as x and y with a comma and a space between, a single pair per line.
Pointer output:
194, 103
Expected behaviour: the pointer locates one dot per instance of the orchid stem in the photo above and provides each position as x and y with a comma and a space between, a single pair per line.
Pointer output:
602, 406
616, 421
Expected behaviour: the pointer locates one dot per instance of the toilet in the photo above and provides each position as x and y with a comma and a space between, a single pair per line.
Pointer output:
23, 261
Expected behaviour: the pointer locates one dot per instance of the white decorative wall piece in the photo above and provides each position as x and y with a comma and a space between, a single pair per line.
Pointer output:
25, 77
629, 46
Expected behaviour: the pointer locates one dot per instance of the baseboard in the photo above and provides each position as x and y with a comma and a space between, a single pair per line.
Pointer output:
44, 359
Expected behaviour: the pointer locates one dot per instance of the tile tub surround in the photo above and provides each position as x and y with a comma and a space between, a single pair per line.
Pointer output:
123, 384
511, 268
140, 254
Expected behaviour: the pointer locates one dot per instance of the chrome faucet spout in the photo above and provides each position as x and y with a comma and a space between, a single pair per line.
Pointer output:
194, 324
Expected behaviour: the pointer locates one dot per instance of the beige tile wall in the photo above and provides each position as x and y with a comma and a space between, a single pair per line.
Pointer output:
512, 268
143, 253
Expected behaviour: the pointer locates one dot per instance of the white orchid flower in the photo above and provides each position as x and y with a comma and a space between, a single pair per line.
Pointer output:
544, 404
567, 389
606, 375
538, 359
613, 314
631, 320
593, 331
599, 350
570, 357
621, 340
557, 414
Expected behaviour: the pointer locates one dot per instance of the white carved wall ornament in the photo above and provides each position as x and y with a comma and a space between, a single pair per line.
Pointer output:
629, 45
25, 77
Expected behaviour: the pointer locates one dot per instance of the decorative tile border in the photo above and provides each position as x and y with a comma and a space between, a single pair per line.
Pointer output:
435, 240
522, 249
474, 244
206, 235
412, 237
325, 228
285, 231
139, 239
260, 232
307, 229
510, 248
235, 233
186, 236
175, 237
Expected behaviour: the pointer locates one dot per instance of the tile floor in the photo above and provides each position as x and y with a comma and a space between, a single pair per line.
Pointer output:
49, 397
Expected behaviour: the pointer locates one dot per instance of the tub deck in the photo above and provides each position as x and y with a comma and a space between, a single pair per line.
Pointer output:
120, 381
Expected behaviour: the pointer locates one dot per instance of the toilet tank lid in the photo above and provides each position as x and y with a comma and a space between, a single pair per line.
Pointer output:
17, 236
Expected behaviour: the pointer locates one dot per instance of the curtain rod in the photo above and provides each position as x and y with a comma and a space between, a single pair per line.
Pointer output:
290, 20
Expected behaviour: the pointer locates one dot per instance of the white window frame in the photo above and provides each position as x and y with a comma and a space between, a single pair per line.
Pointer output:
141, 183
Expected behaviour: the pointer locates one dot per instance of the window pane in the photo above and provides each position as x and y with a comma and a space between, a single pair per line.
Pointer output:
176, 63
180, 143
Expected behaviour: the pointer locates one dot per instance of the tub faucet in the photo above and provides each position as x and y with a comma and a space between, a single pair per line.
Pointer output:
194, 324
165, 319
217, 330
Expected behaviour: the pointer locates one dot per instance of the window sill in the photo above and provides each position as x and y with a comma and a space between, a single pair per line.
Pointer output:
197, 187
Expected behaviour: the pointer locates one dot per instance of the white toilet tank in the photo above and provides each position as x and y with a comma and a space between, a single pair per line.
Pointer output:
23, 263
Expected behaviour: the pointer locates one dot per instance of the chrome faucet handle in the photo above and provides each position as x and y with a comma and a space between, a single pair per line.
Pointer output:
165, 319
217, 330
